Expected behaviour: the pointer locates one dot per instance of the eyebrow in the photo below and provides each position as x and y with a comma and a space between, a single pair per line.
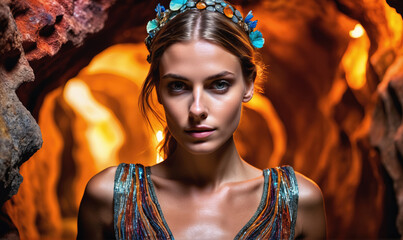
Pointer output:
179, 77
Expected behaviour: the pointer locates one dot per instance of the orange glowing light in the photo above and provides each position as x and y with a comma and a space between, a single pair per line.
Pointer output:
126, 60
395, 25
357, 32
263, 106
159, 136
356, 57
103, 134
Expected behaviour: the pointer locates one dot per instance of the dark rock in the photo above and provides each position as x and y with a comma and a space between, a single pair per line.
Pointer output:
387, 130
20, 136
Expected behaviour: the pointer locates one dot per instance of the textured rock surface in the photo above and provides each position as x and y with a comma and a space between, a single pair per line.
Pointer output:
85, 19
47, 27
20, 136
387, 130
326, 120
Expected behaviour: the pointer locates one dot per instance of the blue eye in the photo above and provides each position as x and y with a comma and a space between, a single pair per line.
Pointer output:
221, 85
176, 86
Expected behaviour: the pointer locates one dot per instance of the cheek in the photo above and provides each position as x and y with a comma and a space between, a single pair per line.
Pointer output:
234, 116
229, 113
175, 113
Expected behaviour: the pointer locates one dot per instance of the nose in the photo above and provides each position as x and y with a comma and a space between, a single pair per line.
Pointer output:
197, 110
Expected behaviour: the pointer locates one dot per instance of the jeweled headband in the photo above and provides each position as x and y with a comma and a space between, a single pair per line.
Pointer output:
179, 6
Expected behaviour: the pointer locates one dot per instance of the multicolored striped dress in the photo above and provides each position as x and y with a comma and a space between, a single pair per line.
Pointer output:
138, 215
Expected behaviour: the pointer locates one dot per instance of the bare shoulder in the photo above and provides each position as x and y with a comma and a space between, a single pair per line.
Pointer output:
100, 186
309, 192
95, 217
311, 219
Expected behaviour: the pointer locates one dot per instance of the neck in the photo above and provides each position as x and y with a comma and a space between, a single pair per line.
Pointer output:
207, 170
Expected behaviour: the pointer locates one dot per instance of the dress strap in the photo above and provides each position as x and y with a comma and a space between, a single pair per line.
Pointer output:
135, 213
277, 213
293, 194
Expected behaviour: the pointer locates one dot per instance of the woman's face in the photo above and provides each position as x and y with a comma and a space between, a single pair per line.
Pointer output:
202, 89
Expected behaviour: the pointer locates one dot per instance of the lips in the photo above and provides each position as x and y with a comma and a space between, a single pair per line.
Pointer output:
200, 131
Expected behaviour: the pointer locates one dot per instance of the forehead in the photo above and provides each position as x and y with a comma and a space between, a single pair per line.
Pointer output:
197, 59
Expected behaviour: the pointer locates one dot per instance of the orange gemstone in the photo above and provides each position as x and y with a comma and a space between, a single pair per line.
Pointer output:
201, 5
228, 12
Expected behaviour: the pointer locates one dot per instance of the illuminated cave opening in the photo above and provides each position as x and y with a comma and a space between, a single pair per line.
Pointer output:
93, 122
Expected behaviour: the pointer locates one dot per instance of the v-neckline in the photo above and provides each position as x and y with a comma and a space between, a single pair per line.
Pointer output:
260, 207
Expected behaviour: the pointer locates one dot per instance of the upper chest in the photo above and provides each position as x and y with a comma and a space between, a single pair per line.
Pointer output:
148, 208
216, 215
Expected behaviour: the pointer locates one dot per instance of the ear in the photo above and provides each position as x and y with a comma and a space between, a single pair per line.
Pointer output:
249, 89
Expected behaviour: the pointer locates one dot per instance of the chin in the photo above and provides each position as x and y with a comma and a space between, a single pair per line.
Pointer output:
201, 148
204, 148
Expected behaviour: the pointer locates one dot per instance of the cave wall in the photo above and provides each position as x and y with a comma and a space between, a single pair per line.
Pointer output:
347, 140
20, 135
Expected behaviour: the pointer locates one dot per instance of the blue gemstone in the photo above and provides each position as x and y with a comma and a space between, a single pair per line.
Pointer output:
235, 19
182, 9
175, 5
218, 1
209, 2
210, 8
232, 8
224, 4
219, 8
151, 25
238, 14
190, 4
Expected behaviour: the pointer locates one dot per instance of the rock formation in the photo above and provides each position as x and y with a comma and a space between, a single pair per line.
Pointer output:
20, 136
387, 129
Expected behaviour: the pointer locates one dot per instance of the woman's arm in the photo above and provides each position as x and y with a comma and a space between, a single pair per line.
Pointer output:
311, 220
95, 217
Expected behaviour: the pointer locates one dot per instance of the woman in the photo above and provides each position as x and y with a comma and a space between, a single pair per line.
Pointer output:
203, 67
